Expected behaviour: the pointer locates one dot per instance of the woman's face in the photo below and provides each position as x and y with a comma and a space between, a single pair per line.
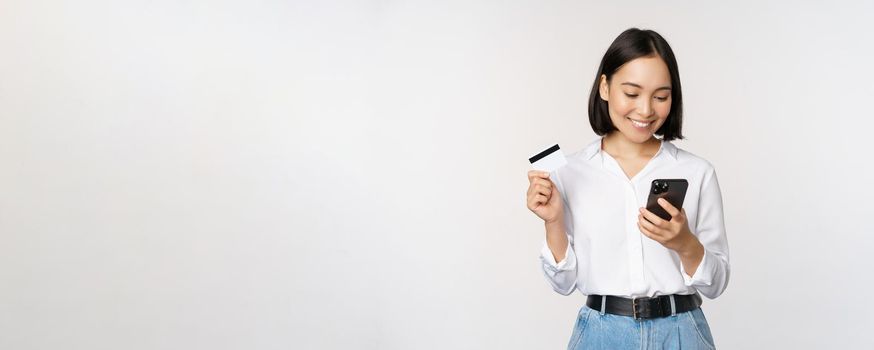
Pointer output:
638, 97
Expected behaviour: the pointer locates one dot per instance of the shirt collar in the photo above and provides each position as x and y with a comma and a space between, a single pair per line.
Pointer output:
595, 147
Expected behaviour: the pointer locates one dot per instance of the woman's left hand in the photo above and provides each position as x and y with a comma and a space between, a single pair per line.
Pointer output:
673, 234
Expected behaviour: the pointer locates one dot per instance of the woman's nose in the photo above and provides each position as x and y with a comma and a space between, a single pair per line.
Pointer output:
644, 107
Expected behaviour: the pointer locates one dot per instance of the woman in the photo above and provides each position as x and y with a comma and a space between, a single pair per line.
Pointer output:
642, 274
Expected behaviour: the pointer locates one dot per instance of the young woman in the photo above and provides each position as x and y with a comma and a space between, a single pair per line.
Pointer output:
642, 274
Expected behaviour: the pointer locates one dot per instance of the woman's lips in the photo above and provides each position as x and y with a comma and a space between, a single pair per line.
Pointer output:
640, 125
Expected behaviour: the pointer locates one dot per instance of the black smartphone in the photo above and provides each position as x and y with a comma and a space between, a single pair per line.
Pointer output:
673, 190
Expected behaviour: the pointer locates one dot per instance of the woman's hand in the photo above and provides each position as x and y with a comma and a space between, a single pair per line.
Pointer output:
543, 199
673, 234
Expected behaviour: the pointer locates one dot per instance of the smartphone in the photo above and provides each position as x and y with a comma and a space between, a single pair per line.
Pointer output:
673, 190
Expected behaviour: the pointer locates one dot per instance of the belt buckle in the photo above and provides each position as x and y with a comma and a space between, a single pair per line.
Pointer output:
634, 308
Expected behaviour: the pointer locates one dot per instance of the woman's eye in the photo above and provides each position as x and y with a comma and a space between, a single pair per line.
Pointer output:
661, 98
631, 95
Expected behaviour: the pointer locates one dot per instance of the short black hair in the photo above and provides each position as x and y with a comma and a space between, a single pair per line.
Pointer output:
631, 44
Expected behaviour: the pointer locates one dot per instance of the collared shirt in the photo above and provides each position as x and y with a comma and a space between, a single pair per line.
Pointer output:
607, 254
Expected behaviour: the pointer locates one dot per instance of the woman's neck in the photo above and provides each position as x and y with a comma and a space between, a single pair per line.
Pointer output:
618, 146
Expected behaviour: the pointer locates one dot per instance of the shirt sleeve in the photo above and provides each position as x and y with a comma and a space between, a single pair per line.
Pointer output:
561, 275
711, 277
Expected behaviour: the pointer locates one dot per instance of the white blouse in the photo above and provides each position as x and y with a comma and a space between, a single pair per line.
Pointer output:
607, 254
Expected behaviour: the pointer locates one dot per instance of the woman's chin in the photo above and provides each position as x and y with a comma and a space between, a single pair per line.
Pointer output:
637, 136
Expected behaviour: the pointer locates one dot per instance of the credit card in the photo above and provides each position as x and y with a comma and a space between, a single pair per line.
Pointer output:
549, 160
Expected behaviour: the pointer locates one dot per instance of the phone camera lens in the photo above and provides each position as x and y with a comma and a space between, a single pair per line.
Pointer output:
659, 187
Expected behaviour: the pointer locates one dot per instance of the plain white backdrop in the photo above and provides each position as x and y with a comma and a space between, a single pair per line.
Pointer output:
326, 175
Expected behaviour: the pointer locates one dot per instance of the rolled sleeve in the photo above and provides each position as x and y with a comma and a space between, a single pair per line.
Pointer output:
703, 275
562, 275
554, 267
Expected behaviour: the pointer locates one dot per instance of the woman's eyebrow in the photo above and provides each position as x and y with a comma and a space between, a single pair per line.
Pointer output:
641, 87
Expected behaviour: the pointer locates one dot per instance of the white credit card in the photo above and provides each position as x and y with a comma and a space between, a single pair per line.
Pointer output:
549, 160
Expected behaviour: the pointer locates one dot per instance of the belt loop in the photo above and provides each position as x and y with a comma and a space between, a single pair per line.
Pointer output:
673, 306
603, 304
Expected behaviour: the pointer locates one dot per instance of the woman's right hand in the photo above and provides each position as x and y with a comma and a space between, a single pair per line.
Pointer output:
543, 198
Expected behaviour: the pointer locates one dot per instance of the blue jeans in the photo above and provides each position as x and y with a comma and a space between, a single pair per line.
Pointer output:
687, 330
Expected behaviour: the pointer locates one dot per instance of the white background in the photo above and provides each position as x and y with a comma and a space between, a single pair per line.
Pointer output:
319, 175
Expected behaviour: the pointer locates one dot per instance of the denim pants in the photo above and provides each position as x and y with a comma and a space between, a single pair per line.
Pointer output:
594, 330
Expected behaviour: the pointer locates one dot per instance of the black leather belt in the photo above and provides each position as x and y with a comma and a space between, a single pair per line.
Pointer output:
645, 308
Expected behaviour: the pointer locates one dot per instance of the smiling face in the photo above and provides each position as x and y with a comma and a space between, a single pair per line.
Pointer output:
638, 97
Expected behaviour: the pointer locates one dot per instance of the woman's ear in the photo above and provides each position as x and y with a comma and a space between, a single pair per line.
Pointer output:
603, 89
